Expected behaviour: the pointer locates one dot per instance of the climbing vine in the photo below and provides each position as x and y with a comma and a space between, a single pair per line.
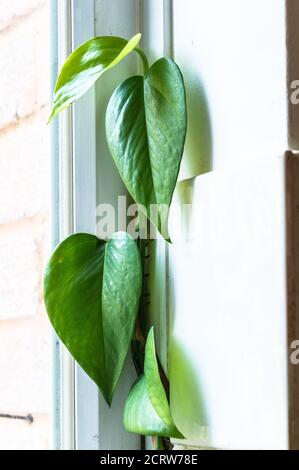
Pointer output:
92, 287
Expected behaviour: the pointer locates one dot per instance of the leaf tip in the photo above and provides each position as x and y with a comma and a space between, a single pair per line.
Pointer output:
51, 117
108, 396
137, 37
176, 433
151, 334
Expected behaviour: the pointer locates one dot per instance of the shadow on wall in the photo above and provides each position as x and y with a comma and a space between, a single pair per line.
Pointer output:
198, 153
186, 396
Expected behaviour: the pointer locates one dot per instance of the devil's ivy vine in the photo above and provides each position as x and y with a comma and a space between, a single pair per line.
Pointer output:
93, 287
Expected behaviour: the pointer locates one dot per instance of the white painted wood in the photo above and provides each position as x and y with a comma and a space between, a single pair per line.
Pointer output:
121, 19
156, 42
168, 28
233, 56
84, 156
152, 28
55, 229
155, 15
228, 356
228, 361
66, 227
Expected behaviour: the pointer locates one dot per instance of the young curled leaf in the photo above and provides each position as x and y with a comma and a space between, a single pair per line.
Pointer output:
147, 410
86, 64
92, 290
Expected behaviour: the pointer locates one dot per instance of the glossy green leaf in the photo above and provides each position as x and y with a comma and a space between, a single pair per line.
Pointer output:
147, 410
86, 64
146, 124
155, 387
92, 290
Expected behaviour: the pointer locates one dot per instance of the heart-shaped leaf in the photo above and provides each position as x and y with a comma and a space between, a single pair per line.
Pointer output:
146, 124
92, 290
147, 410
86, 64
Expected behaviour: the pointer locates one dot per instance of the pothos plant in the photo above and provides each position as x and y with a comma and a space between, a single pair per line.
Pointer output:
92, 287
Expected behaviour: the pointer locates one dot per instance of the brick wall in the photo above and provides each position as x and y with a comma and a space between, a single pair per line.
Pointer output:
25, 333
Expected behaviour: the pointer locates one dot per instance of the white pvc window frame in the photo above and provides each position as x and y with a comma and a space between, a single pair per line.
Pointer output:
75, 417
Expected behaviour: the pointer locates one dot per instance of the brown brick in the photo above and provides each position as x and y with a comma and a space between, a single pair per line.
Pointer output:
25, 168
24, 67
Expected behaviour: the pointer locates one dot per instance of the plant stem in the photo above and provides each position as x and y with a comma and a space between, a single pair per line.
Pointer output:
143, 58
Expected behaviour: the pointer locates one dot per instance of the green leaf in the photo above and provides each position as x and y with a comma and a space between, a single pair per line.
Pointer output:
86, 64
155, 387
147, 410
146, 123
92, 290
